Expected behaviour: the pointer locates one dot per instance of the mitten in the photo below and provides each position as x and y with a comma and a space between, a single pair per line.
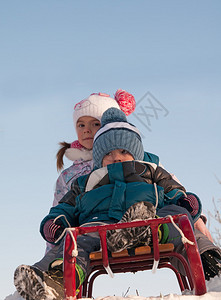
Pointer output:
52, 230
190, 202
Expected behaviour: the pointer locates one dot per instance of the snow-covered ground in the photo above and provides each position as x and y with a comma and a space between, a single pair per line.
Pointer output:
213, 292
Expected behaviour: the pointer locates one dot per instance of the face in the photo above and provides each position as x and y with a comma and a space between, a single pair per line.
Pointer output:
86, 128
118, 155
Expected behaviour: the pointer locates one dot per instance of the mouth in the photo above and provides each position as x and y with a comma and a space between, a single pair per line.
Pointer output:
88, 139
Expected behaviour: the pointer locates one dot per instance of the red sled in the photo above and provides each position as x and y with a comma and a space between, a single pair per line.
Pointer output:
144, 258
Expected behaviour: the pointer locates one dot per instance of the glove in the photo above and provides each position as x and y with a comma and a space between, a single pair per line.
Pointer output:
211, 261
190, 203
52, 230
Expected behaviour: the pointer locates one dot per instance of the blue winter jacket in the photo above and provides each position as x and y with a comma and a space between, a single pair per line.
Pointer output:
105, 194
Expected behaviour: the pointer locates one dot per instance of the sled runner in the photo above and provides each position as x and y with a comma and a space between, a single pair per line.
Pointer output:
140, 259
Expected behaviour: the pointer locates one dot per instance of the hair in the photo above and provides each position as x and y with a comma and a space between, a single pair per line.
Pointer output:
60, 154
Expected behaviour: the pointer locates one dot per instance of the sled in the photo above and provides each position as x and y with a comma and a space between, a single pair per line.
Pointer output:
143, 258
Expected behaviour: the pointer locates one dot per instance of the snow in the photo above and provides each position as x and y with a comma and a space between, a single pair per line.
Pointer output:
213, 292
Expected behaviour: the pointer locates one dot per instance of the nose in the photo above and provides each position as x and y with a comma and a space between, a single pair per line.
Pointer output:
87, 129
117, 157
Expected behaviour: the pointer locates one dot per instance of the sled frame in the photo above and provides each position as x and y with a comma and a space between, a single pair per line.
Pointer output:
194, 279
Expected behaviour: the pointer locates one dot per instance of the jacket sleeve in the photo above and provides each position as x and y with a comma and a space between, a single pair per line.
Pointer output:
192, 203
173, 190
163, 178
66, 210
175, 193
61, 189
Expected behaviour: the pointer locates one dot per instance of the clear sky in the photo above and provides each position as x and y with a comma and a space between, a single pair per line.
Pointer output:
55, 53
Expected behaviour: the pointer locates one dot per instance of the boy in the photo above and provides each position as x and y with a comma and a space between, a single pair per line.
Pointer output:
122, 188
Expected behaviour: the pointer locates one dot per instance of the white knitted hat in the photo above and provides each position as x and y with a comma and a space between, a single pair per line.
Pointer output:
96, 104
93, 106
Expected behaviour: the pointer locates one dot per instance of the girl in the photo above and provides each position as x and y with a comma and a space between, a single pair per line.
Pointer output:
87, 115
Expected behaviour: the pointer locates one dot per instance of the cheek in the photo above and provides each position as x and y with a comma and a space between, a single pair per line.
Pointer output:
104, 163
94, 130
79, 134
129, 157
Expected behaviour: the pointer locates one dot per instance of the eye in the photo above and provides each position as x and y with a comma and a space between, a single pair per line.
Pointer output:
124, 151
80, 125
97, 124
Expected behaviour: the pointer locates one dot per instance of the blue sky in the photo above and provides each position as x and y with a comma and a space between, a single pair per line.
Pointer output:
55, 53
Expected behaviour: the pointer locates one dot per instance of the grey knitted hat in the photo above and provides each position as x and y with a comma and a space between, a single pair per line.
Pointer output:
116, 133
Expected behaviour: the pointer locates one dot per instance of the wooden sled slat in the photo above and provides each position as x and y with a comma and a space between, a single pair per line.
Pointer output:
138, 251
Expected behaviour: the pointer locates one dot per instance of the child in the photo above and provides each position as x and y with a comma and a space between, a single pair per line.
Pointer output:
80, 151
86, 116
116, 192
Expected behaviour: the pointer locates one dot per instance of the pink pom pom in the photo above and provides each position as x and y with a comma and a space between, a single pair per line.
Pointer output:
76, 145
126, 101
